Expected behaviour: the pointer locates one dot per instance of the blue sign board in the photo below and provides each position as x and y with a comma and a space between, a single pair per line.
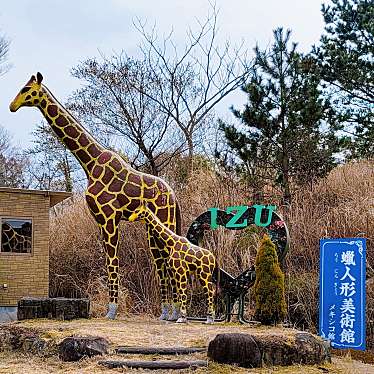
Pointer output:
343, 292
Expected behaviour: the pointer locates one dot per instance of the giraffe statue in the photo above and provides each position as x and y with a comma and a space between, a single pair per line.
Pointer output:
114, 189
11, 241
184, 258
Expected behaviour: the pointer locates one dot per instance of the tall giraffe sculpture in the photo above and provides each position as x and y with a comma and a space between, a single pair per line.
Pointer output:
114, 189
184, 258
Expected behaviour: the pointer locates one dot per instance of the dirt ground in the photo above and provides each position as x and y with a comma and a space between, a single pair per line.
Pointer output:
150, 332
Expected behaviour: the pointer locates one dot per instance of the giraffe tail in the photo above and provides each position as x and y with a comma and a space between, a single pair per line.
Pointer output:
178, 219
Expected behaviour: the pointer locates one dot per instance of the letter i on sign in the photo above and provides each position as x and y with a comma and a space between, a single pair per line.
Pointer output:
213, 218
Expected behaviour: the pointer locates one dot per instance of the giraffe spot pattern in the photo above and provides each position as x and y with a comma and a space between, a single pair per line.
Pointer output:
107, 210
114, 241
116, 165
96, 188
115, 186
97, 171
100, 219
149, 181
83, 140
92, 204
108, 175
83, 156
52, 110
90, 165
105, 197
123, 199
72, 132
95, 152
115, 262
61, 121
132, 190
134, 178
58, 131
110, 227
103, 158
71, 144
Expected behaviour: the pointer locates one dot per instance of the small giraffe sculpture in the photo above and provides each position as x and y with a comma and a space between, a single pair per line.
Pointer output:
184, 258
114, 189
11, 241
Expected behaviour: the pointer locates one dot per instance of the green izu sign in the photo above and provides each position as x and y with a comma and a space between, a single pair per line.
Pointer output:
238, 220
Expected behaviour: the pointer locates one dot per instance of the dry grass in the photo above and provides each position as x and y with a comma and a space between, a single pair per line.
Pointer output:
149, 332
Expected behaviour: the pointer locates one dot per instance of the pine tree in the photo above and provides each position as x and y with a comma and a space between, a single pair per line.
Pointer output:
345, 57
281, 139
269, 286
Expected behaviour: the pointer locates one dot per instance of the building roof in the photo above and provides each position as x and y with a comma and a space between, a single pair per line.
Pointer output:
55, 197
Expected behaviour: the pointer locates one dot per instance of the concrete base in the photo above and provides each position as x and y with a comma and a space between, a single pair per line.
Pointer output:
8, 313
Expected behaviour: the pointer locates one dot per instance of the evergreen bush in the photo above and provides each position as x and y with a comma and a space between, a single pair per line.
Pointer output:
269, 288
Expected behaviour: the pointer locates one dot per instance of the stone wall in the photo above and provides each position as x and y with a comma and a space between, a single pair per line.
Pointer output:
26, 274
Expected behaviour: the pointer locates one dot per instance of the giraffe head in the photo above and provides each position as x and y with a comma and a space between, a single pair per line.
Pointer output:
138, 214
30, 94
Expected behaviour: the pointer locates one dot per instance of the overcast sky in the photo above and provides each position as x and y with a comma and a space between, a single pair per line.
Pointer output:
53, 36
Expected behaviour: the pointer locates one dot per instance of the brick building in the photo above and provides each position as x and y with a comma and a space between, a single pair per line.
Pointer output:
24, 244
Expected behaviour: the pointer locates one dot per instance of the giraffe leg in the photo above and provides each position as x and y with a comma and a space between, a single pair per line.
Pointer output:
110, 237
182, 291
175, 314
161, 265
206, 282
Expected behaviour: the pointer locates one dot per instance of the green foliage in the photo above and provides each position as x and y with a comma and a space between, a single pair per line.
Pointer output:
281, 139
269, 288
346, 61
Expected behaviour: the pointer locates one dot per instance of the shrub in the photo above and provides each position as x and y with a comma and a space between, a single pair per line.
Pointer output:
269, 286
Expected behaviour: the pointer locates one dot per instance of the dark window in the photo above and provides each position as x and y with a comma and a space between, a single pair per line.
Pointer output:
16, 235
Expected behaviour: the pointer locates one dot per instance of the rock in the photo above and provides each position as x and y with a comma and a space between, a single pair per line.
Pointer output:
313, 348
240, 349
13, 337
59, 308
35, 345
74, 348
248, 350
16, 338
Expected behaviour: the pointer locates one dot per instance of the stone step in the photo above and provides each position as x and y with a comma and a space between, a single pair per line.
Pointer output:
159, 350
165, 364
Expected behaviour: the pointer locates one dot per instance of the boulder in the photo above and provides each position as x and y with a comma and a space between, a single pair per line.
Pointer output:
74, 348
251, 351
239, 349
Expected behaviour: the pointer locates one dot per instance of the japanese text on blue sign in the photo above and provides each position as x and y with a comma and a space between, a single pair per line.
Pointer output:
342, 292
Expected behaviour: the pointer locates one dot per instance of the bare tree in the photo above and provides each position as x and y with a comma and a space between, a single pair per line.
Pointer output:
193, 81
13, 164
53, 166
118, 113
4, 49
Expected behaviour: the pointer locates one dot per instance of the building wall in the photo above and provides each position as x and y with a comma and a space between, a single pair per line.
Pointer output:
26, 274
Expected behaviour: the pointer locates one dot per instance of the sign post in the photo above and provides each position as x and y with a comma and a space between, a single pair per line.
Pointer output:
343, 292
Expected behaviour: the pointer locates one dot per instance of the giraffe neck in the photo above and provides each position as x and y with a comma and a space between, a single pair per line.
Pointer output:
70, 132
158, 227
